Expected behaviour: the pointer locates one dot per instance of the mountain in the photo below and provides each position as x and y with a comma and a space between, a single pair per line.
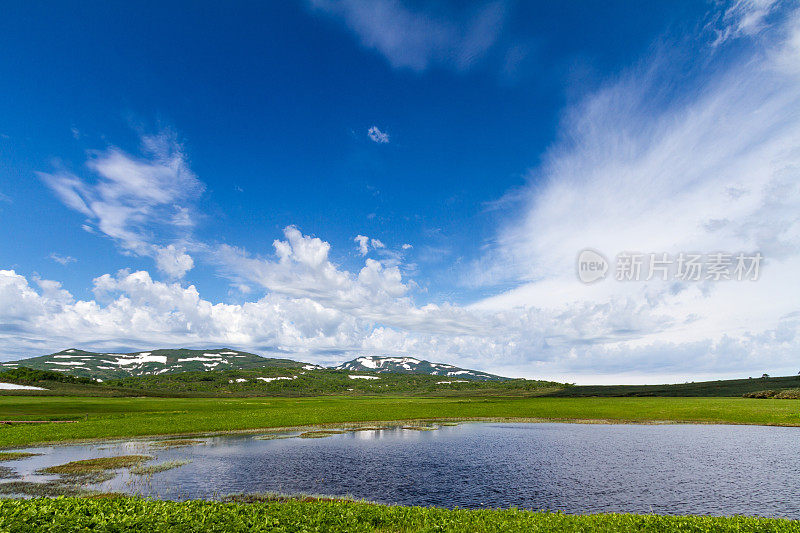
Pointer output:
104, 366
411, 365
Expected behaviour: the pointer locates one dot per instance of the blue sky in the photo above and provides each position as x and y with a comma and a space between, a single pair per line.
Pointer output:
276, 99
151, 155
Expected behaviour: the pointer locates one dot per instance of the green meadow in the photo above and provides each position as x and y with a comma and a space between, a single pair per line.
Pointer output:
83, 418
98, 418
121, 514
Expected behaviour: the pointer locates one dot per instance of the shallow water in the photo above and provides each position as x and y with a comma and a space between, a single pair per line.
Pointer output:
576, 468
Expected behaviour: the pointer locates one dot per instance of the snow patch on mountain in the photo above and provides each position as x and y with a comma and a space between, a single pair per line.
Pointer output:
412, 365
14, 386
139, 358
267, 380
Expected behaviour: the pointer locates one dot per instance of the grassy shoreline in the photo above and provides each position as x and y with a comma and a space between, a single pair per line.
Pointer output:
120, 514
114, 418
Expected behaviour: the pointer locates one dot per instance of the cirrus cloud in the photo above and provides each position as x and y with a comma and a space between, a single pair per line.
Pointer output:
129, 198
418, 38
636, 167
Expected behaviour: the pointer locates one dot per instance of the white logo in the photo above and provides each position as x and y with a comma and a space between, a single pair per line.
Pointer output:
591, 266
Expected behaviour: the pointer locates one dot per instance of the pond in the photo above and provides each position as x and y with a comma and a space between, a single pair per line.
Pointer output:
575, 468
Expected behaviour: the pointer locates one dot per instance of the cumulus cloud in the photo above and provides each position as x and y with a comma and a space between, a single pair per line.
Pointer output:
420, 37
636, 168
129, 198
377, 135
131, 309
301, 268
173, 261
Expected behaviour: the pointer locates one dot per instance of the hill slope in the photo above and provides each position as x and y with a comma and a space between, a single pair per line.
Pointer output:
411, 365
105, 366
719, 388
302, 382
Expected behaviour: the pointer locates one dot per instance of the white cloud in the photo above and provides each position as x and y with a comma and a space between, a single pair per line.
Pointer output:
363, 244
130, 307
129, 198
407, 246
420, 37
302, 269
377, 135
173, 261
715, 168
742, 18
133, 310
62, 259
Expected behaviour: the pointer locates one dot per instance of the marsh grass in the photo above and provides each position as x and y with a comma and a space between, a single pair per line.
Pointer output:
7, 473
149, 470
42, 489
274, 436
16, 456
175, 443
74, 476
421, 428
320, 434
91, 466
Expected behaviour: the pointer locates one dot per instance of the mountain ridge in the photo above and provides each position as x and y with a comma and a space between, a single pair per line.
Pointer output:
110, 365
103, 366
412, 365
